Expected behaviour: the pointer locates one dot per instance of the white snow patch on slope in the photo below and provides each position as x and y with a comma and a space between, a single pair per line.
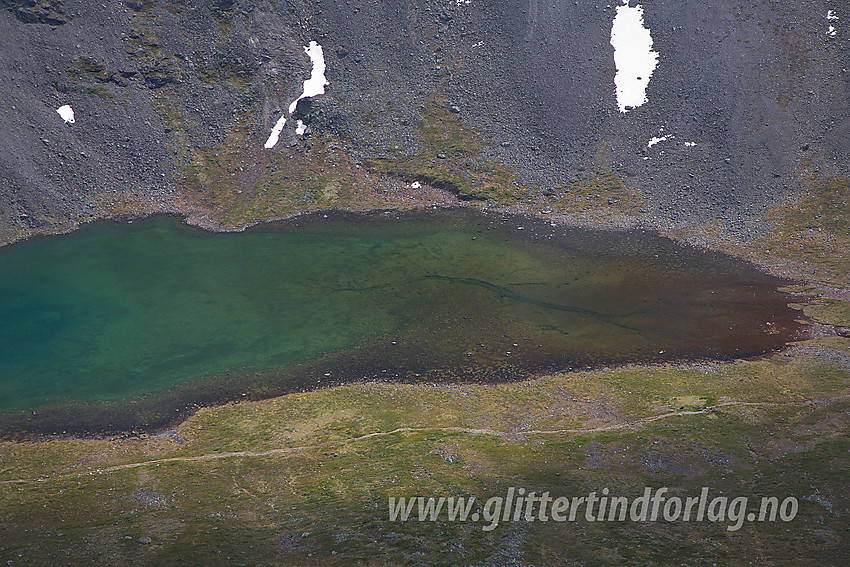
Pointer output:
633, 56
275, 135
313, 86
654, 141
67, 114
831, 17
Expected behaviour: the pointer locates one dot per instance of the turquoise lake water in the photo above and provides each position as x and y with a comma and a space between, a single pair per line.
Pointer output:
130, 325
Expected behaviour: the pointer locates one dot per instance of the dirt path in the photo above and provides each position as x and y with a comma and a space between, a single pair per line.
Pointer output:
467, 430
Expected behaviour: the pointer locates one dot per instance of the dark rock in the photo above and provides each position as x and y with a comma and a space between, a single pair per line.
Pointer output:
157, 80
44, 12
303, 106
341, 52
222, 5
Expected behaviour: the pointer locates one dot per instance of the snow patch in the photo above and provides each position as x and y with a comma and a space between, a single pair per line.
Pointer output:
655, 140
415, 185
67, 114
633, 56
690, 144
313, 86
831, 17
275, 135
300, 128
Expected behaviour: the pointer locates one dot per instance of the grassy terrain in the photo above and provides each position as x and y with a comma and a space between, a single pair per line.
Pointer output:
239, 183
815, 231
450, 160
304, 479
594, 194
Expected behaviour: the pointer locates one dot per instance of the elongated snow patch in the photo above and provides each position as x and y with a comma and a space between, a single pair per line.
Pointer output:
313, 86
633, 57
67, 114
831, 17
654, 140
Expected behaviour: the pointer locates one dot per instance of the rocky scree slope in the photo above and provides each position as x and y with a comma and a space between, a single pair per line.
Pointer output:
753, 99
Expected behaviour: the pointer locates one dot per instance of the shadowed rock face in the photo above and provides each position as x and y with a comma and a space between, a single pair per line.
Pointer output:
152, 82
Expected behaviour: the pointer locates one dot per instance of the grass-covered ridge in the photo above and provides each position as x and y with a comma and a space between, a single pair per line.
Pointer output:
304, 479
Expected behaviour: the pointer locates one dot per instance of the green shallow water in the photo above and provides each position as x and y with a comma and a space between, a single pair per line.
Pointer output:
126, 325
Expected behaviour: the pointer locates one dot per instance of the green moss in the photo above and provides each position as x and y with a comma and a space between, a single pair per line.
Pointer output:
815, 230
826, 206
144, 49
89, 74
829, 311
450, 160
240, 183
223, 19
89, 66
594, 193
235, 75
98, 91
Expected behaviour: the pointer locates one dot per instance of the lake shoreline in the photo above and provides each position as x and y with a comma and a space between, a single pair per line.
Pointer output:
164, 408
764, 261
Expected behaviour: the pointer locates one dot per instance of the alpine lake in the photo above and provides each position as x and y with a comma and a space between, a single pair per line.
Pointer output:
130, 326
